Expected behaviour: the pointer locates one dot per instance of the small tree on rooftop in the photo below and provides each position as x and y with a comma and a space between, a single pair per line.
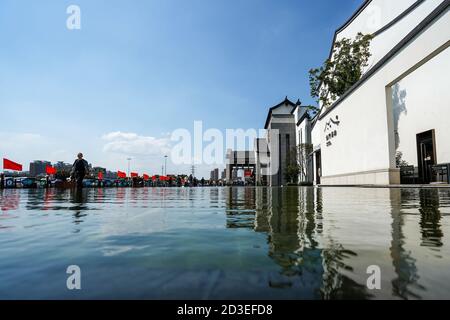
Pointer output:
342, 70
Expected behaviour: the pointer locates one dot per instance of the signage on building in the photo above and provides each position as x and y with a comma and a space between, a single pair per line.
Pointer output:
331, 130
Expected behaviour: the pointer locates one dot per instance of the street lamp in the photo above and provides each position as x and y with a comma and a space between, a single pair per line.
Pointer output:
165, 165
129, 159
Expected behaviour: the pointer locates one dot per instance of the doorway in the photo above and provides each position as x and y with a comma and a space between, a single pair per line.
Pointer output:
318, 167
426, 153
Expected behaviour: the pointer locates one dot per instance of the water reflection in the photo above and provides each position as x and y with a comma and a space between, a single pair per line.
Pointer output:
430, 218
293, 219
79, 199
402, 260
296, 243
9, 200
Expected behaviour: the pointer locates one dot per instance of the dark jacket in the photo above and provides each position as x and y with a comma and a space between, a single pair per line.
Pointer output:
80, 168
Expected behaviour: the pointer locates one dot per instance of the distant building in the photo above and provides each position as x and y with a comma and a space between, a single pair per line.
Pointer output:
38, 168
281, 139
110, 175
239, 160
61, 166
214, 175
262, 161
224, 174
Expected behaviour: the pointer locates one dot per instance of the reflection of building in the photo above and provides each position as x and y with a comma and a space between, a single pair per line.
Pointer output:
291, 217
407, 283
38, 168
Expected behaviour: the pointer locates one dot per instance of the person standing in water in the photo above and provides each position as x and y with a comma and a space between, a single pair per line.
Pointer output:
80, 169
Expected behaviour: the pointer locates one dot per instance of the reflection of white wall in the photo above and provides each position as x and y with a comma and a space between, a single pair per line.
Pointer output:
427, 106
364, 228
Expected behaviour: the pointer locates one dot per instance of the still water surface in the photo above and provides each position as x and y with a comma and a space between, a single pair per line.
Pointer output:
225, 243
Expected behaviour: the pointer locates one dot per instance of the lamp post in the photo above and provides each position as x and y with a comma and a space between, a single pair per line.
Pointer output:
129, 159
165, 165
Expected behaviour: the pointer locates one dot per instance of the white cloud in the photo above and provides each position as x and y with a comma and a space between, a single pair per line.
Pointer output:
134, 144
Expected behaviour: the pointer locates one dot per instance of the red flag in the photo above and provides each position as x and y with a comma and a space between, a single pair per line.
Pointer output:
10, 165
100, 175
146, 177
50, 170
134, 175
121, 175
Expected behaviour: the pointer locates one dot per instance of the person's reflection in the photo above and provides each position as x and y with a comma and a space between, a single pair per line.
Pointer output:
79, 198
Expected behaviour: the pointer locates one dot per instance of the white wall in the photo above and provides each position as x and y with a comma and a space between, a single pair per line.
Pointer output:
422, 103
365, 133
375, 16
380, 13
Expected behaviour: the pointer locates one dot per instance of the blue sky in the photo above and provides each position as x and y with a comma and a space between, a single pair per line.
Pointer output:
145, 68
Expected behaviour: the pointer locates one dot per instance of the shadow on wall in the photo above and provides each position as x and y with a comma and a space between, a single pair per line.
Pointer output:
399, 107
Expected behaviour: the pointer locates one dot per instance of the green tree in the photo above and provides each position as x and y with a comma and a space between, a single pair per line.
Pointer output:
342, 70
304, 152
399, 160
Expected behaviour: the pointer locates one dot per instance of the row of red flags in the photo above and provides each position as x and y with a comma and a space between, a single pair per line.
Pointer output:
11, 165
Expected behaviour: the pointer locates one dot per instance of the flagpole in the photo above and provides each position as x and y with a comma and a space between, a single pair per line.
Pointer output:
2, 178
